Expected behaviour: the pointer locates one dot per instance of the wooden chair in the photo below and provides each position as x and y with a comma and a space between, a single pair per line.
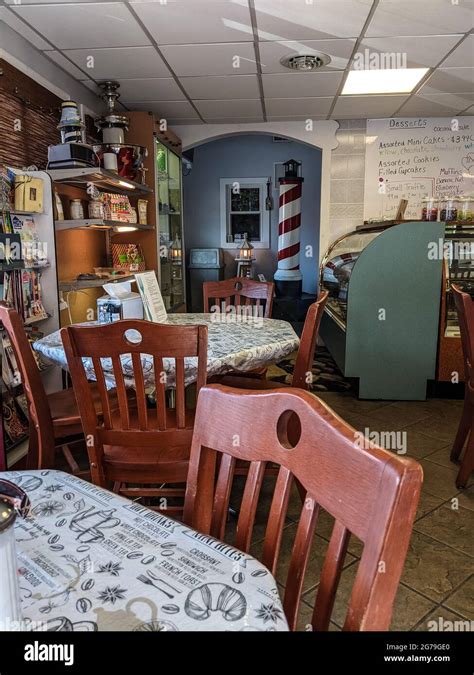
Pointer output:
304, 361
371, 493
465, 311
54, 418
136, 444
239, 293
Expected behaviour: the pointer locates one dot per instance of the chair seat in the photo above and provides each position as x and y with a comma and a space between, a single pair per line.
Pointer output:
64, 411
239, 382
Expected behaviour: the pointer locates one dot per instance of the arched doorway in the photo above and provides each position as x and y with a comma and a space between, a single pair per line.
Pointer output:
255, 159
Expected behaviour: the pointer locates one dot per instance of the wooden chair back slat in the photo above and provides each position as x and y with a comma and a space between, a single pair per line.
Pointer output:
222, 496
465, 312
299, 560
121, 392
180, 394
370, 492
160, 392
130, 423
248, 508
103, 393
38, 405
276, 519
330, 577
238, 292
141, 399
304, 360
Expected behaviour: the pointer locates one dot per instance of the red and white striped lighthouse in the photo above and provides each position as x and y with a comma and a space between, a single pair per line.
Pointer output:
288, 279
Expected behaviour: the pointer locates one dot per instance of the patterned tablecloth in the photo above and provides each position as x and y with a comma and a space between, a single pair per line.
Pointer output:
90, 560
234, 344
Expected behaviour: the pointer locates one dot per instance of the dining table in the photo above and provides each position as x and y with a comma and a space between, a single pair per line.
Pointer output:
235, 342
90, 560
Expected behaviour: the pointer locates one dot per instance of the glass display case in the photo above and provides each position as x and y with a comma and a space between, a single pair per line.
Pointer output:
170, 227
337, 266
459, 269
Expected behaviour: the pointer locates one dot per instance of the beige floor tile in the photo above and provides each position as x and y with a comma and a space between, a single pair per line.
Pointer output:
433, 568
394, 417
466, 498
324, 529
305, 616
439, 480
443, 425
427, 504
441, 620
442, 457
421, 445
408, 609
452, 526
462, 600
315, 563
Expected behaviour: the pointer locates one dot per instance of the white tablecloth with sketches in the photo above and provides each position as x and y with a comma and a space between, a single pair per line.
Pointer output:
234, 344
91, 560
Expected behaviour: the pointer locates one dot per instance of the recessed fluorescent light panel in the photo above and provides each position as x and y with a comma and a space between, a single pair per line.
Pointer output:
385, 81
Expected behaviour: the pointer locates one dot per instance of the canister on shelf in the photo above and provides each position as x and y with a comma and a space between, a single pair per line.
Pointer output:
466, 208
96, 209
449, 209
429, 209
77, 210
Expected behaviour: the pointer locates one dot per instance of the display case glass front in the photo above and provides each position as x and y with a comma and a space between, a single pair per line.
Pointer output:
170, 227
336, 270
459, 269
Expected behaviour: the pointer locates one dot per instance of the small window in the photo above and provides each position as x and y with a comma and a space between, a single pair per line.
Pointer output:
243, 212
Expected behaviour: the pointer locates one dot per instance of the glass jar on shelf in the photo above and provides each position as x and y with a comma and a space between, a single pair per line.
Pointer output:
449, 209
466, 208
429, 209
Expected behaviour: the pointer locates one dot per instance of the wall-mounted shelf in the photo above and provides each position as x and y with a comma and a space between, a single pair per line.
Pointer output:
99, 224
79, 284
101, 178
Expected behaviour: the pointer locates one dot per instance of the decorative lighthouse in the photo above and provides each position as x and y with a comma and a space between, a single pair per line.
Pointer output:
288, 279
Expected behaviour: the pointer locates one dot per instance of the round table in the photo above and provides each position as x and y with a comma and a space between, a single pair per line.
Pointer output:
235, 343
90, 560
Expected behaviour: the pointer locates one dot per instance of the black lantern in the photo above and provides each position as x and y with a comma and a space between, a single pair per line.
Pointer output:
291, 168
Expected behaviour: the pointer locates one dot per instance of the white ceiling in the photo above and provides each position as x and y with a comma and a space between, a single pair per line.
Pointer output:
211, 61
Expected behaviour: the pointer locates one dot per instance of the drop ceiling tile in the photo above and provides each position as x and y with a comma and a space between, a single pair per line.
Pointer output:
174, 23
150, 89
294, 118
401, 52
17, 24
237, 108
185, 120
469, 111
462, 55
450, 81
288, 85
69, 67
167, 109
76, 26
367, 106
119, 62
299, 20
221, 87
436, 105
272, 52
423, 17
234, 120
211, 59
298, 106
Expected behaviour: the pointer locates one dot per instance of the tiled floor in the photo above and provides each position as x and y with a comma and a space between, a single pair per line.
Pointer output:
438, 579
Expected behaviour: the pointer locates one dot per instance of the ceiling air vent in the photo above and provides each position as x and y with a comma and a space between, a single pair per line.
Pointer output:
305, 62
281, 139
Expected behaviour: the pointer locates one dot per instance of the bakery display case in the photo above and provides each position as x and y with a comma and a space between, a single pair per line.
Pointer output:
382, 317
458, 268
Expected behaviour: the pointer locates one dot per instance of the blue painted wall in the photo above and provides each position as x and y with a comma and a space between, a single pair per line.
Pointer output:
251, 156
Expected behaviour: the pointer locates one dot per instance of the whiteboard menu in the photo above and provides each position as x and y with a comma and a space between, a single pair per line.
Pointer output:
409, 158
